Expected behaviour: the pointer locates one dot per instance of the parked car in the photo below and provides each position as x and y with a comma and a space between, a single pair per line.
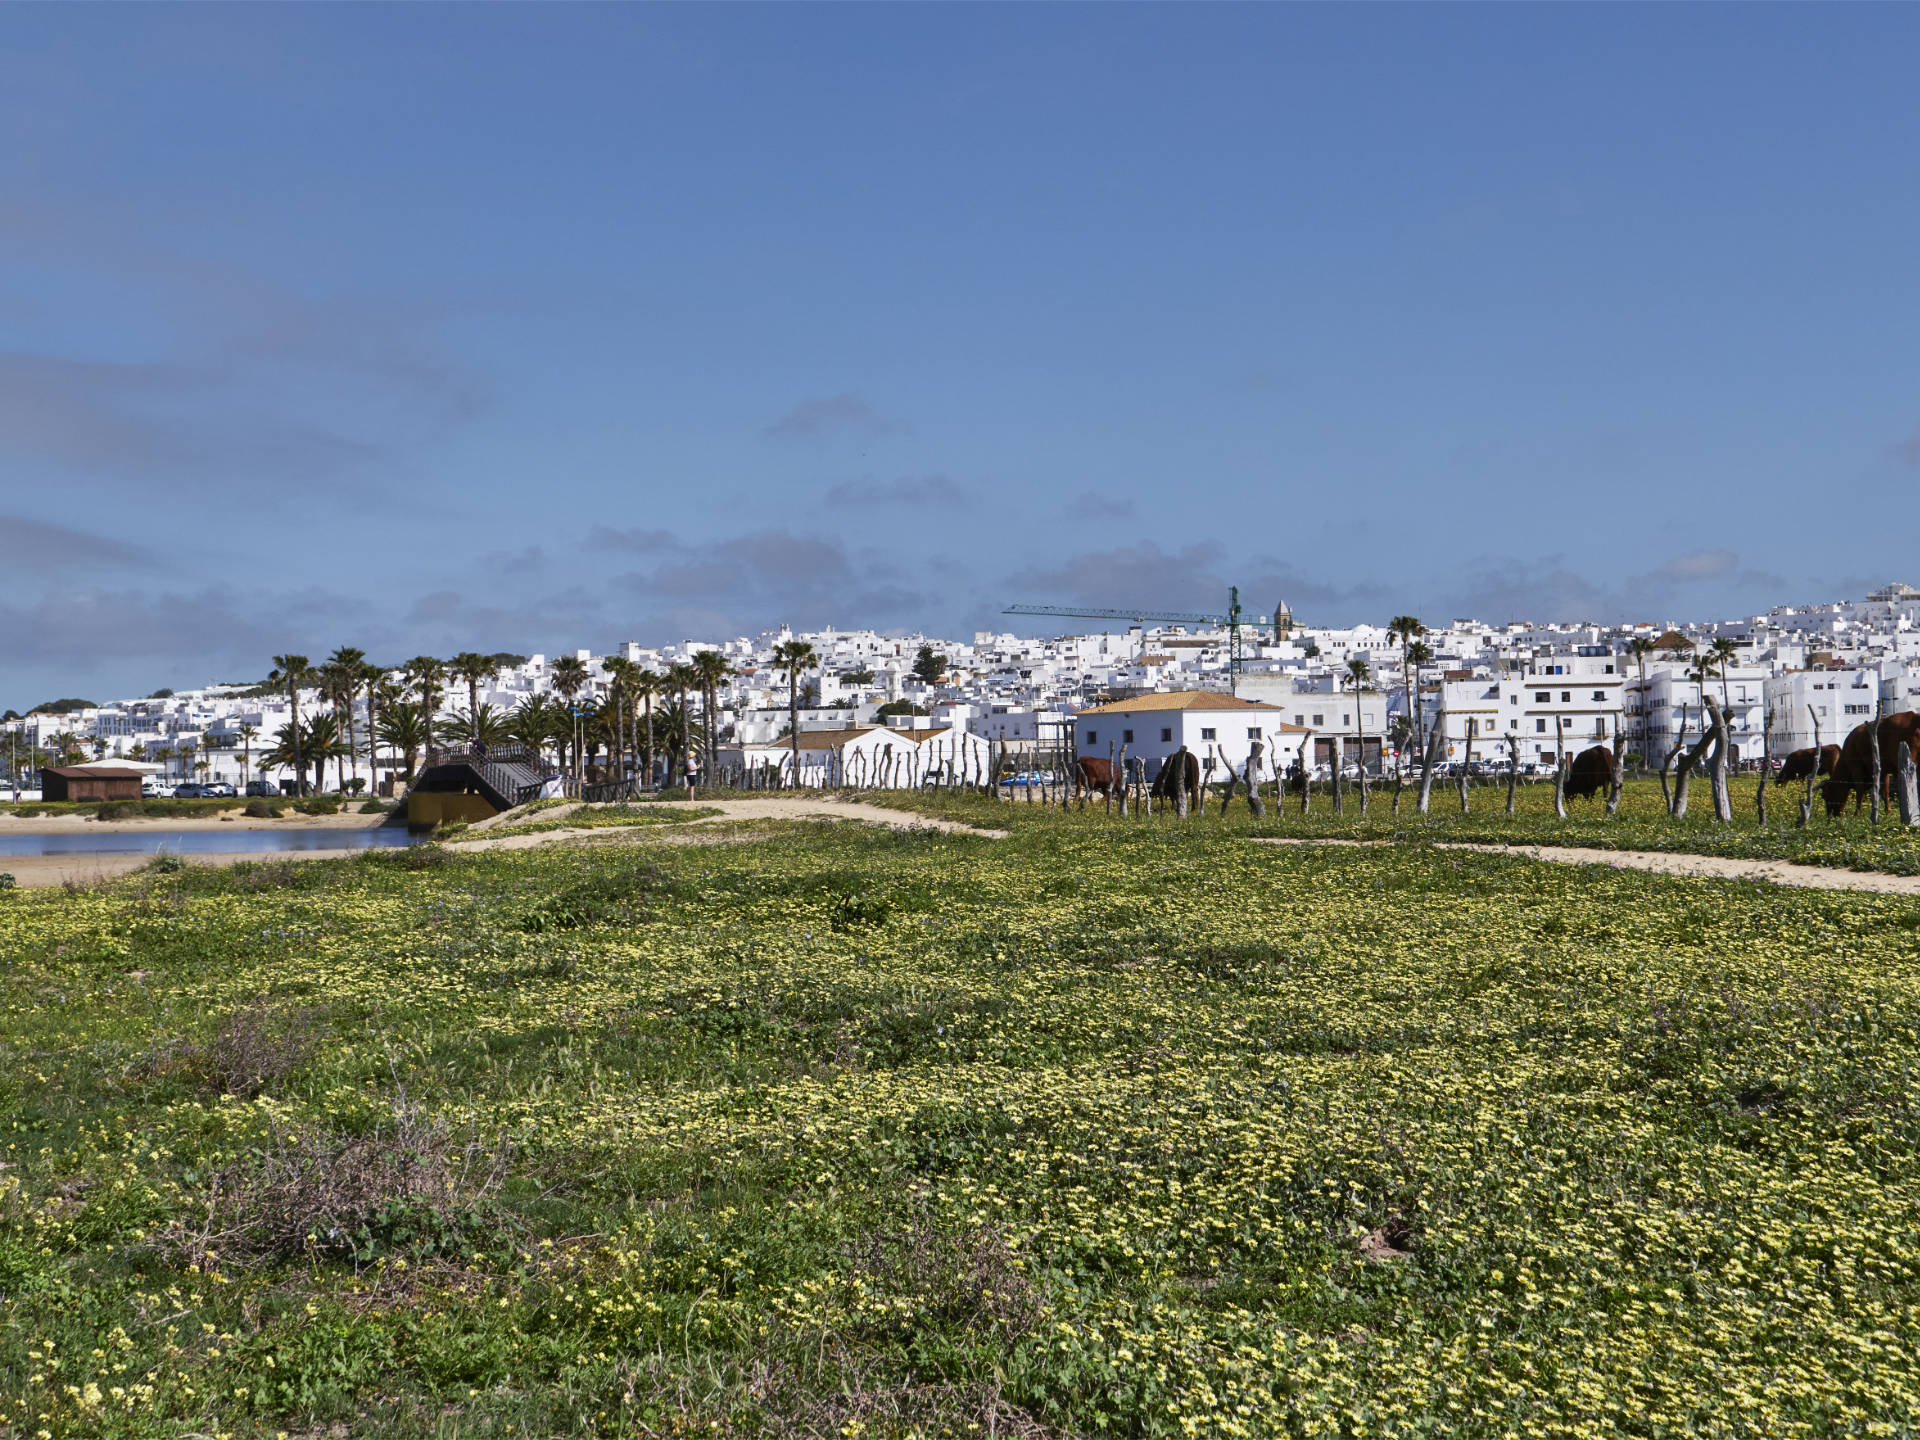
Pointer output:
223, 789
151, 788
1029, 777
262, 787
189, 791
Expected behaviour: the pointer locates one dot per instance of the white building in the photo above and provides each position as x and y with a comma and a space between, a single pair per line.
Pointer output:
1211, 725
872, 756
1819, 706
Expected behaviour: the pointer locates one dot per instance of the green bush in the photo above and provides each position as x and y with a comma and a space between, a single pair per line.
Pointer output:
121, 810
261, 810
7, 882
318, 805
375, 807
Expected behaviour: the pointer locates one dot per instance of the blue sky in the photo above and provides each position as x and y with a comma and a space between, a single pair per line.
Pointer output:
434, 328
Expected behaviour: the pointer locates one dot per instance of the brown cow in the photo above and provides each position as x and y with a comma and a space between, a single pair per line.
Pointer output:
1853, 771
1097, 775
1590, 774
1800, 764
1163, 782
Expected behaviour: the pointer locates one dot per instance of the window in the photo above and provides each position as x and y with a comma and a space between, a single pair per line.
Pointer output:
1600, 695
1300, 720
1513, 724
1126, 737
1166, 736
1319, 720
1566, 697
1513, 699
1093, 737
1206, 734
1856, 709
1609, 669
1253, 732
1343, 717
1540, 727
1543, 697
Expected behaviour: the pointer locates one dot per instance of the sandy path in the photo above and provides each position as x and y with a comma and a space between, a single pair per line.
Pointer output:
1666, 862
772, 808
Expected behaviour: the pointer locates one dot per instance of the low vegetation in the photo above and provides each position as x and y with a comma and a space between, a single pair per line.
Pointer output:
1131, 1129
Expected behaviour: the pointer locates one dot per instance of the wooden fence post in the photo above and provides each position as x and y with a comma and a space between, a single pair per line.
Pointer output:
1907, 785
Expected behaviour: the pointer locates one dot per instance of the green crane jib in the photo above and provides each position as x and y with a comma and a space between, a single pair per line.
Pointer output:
1233, 619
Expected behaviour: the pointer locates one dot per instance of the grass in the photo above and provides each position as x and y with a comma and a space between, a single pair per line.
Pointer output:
1851, 842
1131, 1129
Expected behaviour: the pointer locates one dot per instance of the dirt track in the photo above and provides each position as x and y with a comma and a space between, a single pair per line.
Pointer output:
1664, 862
772, 808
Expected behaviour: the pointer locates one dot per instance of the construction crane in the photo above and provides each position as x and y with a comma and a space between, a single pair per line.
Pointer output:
1233, 620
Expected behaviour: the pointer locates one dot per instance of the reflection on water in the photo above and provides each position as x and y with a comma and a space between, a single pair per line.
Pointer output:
99, 839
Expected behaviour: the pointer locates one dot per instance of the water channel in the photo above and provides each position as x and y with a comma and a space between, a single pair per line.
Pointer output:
99, 840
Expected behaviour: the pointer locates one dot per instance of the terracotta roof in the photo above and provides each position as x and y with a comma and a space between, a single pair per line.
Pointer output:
1673, 640
1179, 700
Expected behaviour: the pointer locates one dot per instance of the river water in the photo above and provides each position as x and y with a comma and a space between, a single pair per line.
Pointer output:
100, 839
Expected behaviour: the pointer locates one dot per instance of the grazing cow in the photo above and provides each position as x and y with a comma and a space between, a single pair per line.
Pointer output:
1099, 776
1590, 774
1853, 771
1802, 763
1163, 782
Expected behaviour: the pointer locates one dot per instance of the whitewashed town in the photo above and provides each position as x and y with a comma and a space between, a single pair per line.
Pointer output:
815, 708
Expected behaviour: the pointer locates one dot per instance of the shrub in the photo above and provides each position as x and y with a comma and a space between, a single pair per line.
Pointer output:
375, 807
166, 864
411, 1189
261, 810
318, 805
121, 810
7, 882
410, 857
256, 1048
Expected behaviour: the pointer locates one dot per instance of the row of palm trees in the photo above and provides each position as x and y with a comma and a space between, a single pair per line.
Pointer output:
633, 714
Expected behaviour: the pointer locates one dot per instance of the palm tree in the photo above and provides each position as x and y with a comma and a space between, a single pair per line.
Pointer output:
793, 656
1724, 649
570, 678
293, 671
382, 696
429, 677
1359, 671
713, 668
620, 696
321, 742
1417, 654
343, 684
682, 678
488, 726
1640, 647
1407, 629
682, 734
476, 669
404, 730
647, 687
247, 735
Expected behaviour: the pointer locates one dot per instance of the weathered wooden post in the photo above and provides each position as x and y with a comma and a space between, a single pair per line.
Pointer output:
1560, 766
1679, 742
1906, 780
1339, 781
1806, 800
1766, 769
1306, 772
1466, 764
1513, 773
1436, 741
1717, 767
1873, 762
1617, 778
1256, 756
1179, 786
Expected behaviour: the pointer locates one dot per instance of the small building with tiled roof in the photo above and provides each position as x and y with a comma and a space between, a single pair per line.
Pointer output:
1206, 722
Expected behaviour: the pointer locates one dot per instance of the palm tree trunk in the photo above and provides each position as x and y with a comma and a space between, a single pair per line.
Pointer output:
299, 771
793, 720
